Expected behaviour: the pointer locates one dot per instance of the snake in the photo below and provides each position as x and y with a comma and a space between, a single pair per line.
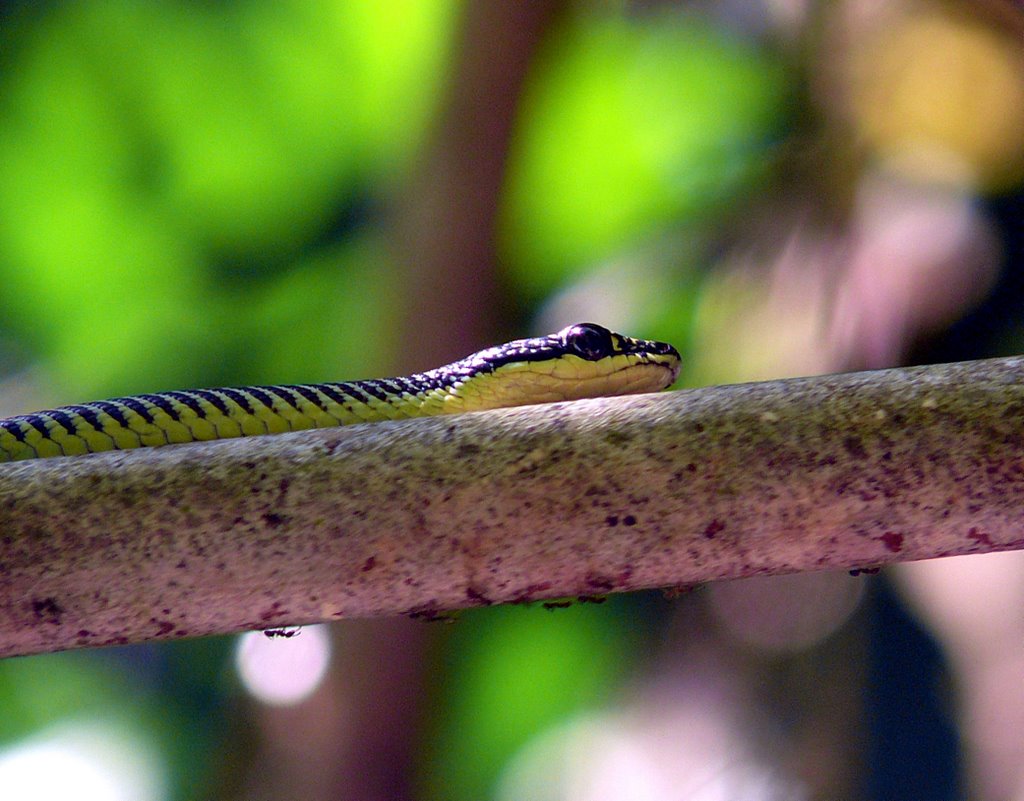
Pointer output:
580, 361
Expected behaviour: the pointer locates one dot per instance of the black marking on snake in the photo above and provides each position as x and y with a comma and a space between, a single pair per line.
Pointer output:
38, 423
162, 402
374, 387
392, 385
338, 397
281, 392
64, 420
240, 398
259, 394
214, 400
87, 414
13, 428
417, 381
411, 384
309, 393
187, 400
133, 404
114, 410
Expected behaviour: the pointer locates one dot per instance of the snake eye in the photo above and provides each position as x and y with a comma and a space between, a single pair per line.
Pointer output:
588, 341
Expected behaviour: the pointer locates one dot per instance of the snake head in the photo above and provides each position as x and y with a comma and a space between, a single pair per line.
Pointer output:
584, 360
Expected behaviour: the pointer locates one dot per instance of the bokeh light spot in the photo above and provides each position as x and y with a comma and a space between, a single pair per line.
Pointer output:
85, 760
283, 670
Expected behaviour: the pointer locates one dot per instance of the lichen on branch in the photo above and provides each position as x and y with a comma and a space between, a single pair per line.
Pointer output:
577, 499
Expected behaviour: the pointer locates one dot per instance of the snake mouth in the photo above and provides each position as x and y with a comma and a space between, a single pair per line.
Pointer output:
651, 375
670, 362
638, 375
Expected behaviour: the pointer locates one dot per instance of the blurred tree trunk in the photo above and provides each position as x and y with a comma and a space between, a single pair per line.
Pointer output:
445, 237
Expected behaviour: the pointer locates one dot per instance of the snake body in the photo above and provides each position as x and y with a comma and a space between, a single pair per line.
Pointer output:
583, 360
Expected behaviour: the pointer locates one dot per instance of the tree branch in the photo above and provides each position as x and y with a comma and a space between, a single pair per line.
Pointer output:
584, 498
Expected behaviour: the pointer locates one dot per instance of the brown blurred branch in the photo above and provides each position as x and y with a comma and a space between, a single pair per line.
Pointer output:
447, 221
444, 230
512, 505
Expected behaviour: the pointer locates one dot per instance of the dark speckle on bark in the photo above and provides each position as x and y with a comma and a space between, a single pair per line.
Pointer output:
47, 610
893, 541
855, 447
713, 529
273, 519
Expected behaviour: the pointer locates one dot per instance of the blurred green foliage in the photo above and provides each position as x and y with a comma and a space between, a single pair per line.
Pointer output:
187, 198
170, 702
150, 150
629, 129
515, 671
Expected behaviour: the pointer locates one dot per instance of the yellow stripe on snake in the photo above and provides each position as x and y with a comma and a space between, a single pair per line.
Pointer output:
581, 361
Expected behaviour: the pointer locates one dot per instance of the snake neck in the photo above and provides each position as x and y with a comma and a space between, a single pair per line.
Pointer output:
377, 399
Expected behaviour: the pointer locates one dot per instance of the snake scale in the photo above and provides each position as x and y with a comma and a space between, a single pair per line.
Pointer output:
583, 360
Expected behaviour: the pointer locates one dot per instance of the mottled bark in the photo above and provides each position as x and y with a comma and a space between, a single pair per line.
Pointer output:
596, 496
